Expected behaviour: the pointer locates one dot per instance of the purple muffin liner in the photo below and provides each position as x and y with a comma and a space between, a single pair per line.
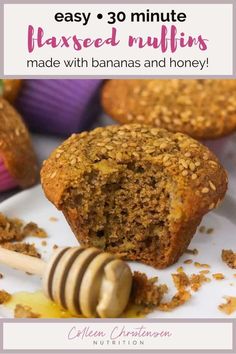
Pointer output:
217, 145
6, 180
60, 107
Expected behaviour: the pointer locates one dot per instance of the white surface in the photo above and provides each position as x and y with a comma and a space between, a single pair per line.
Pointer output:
32, 205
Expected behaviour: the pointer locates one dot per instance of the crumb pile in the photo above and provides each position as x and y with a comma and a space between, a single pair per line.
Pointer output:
145, 292
229, 257
203, 109
22, 247
136, 191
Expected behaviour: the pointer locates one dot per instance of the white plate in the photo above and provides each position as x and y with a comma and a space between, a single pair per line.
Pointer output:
31, 205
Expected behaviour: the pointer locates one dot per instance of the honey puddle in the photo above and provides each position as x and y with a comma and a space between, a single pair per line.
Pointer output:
40, 304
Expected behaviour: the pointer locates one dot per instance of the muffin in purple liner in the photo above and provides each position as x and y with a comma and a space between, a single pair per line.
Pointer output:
59, 107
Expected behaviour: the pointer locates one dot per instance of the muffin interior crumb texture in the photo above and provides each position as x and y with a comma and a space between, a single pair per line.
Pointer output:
135, 191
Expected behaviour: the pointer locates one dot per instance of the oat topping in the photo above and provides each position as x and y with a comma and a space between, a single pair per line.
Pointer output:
201, 265
53, 219
188, 261
193, 252
218, 276
32, 229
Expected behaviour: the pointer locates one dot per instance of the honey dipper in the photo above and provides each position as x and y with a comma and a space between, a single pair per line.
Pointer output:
82, 280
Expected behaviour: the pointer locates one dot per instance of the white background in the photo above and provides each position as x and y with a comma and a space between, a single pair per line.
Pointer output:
213, 21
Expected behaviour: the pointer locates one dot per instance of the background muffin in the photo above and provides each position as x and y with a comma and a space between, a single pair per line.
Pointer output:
11, 89
136, 191
204, 109
59, 107
18, 165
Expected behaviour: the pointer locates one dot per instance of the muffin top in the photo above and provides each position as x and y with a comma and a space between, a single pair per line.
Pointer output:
204, 109
16, 148
113, 148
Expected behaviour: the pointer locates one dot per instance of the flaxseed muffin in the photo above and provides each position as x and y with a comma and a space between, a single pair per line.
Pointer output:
11, 89
18, 166
133, 190
203, 109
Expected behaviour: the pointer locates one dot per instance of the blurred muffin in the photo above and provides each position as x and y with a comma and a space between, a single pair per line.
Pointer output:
18, 165
59, 107
11, 89
203, 109
133, 190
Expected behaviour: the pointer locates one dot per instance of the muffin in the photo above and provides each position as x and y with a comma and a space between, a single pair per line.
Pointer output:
18, 165
133, 190
203, 109
60, 107
11, 89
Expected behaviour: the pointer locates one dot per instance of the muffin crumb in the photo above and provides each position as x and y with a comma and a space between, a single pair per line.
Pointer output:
145, 292
22, 311
22, 247
229, 307
13, 229
10, 229
4, 296
196, 281
32, 229
181, 280
180, 298
229, 257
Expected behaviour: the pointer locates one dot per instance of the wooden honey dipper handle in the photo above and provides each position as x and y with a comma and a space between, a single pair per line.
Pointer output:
86, 281
22, 262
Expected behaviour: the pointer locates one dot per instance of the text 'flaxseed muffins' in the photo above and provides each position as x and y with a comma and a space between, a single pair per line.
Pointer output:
203, 109
136, 191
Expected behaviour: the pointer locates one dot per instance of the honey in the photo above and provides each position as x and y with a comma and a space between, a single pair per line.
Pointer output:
46, 308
